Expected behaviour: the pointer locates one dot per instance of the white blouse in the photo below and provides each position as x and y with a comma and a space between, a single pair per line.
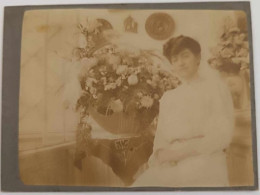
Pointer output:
196, 116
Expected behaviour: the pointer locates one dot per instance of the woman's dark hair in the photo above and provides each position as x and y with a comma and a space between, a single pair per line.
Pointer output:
176, 44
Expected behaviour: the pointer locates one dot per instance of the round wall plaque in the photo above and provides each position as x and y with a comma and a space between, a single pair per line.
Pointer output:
160, 26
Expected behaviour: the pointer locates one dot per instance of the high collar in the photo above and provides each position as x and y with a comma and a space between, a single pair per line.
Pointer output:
195, 79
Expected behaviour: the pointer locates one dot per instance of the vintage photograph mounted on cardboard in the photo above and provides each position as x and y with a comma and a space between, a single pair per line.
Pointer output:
136, 98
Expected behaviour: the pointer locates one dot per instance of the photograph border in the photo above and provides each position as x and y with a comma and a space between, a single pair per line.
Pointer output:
13, 18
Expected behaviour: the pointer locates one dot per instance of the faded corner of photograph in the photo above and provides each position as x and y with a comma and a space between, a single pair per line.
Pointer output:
135, 98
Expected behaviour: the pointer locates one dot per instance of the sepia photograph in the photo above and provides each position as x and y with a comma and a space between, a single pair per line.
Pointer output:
136, 98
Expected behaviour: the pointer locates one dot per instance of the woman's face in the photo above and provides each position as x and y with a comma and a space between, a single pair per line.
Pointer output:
185, 64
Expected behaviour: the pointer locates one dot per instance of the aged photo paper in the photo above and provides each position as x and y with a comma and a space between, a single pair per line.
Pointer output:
135, 98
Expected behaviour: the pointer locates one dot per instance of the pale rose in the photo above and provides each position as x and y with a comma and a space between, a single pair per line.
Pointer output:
239, 39
234, 30
121, 69
156, 96
90, 81
85, 70
110, 86
227, 53
88, 63
137, 70
156, 78
226, 42
154, 70
244, 66
118, 82
149, 82
146, 101
242, 52
113, 59
117, 105
93, 90
215, 50
142, 60
245, 60
127, 60
236, 60
104, 80
132, 79
139, 94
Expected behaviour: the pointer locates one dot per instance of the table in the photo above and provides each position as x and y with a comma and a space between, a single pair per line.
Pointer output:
124, 155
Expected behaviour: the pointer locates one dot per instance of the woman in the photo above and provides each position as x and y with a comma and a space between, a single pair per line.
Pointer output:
195, 125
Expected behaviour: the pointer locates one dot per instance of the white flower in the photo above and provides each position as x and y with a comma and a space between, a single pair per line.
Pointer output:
127, 60
113, 59
227, 53
239, 39
93, 90
244, 66
137, 70
139, 94
156, 96
132, 79
242, 52
104, 80
110, 86
146, 101
118, 82
116, 105
125, 87
234, 30
88, 63
245, 60
103, 69
149, 82
236, 60
156, 78
90, 81
121, 69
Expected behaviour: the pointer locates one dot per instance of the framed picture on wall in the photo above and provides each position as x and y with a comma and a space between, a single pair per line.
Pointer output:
129, 97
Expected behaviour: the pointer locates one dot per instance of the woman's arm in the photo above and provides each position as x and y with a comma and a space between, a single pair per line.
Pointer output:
217, 135
169, 154
216, 126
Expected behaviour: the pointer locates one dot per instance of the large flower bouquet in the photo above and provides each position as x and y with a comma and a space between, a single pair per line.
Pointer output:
231, 58
121, 85
231, 54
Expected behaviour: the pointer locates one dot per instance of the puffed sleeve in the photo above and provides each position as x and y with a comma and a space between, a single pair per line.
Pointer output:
160, 141
172, 121
217, 126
